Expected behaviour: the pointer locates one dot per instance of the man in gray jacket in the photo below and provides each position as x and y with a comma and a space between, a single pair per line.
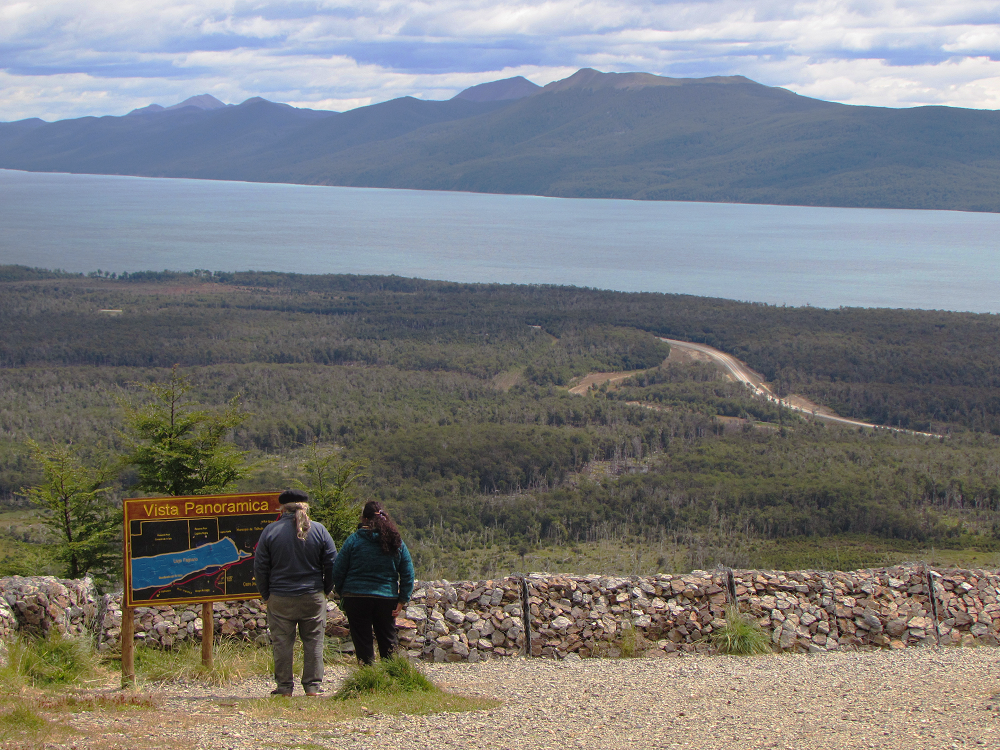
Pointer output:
293, 568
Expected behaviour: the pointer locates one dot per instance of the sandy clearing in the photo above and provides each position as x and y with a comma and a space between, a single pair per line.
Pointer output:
597, 378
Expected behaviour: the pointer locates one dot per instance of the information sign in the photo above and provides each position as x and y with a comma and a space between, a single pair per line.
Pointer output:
181, 550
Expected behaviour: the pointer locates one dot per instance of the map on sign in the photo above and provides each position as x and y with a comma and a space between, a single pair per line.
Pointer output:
194, 549
171, 567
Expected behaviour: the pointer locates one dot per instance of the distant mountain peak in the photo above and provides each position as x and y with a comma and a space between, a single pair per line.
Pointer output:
588, 79
202, 101
500, 91
147, 109
261, 100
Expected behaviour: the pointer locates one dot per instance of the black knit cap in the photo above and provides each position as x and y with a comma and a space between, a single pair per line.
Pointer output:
293, 496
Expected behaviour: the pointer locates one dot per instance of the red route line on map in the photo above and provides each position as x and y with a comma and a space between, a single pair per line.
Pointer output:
222, 569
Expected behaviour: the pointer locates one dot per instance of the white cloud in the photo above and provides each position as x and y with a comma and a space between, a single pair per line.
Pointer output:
63, 59
959, 82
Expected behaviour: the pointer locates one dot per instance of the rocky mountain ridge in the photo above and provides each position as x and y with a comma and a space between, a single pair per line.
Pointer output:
592, 135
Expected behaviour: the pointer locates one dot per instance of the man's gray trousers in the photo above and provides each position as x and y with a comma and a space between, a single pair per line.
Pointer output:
308, 612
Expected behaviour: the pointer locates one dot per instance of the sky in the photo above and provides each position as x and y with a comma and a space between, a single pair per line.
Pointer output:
62, 59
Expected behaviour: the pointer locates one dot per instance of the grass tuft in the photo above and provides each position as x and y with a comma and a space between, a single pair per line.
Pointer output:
387, 677
631, 643
231, 662
53, 660
741, 635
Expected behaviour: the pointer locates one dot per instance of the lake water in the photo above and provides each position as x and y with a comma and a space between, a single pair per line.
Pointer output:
827, 257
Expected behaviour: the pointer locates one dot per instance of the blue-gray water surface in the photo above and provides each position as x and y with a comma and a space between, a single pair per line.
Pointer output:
827, 257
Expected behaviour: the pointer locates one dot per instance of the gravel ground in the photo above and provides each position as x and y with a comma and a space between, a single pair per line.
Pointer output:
905, 700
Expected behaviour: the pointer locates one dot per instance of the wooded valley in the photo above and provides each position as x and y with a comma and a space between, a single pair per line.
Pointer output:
454, 398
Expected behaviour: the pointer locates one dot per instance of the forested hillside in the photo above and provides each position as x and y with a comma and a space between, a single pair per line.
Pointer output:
454, 396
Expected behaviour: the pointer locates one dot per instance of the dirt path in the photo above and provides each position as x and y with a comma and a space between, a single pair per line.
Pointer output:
740, 372
597, 378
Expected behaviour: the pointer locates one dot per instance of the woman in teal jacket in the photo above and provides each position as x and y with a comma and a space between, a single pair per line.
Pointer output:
374, 576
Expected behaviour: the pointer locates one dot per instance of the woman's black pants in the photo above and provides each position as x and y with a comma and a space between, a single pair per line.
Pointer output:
368, 614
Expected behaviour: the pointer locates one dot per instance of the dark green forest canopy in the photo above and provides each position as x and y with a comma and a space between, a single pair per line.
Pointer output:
924, 370
454, 394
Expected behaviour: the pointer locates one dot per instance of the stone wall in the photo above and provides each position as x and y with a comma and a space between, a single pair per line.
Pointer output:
580, 616
38, 605
165, 626
803, 611
464, 621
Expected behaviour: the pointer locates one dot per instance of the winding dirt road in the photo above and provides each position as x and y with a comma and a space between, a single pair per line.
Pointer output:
753, 380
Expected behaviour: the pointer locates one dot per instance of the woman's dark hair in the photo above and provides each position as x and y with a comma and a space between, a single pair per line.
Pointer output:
375, 518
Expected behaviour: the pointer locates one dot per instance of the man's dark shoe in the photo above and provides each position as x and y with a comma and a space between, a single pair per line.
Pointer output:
314, 692
282, 693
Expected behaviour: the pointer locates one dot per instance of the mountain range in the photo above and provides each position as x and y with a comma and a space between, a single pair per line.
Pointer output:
593, 135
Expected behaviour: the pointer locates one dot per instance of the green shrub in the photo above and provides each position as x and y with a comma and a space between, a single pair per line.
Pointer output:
53, 660
741, 635
387, 677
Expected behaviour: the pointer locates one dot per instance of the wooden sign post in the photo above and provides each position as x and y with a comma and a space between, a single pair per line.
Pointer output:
207, 634
187, 550
128, 647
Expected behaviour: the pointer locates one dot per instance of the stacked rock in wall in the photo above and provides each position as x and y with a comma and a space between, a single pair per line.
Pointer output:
467, 621
8, 629
816, 611
886, 608
802, 611
41, 604
598, 615
165, 626
8, 622
967, 599
579, 616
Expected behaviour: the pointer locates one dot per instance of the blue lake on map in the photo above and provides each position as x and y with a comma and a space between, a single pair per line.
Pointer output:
827, 257
165, 569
